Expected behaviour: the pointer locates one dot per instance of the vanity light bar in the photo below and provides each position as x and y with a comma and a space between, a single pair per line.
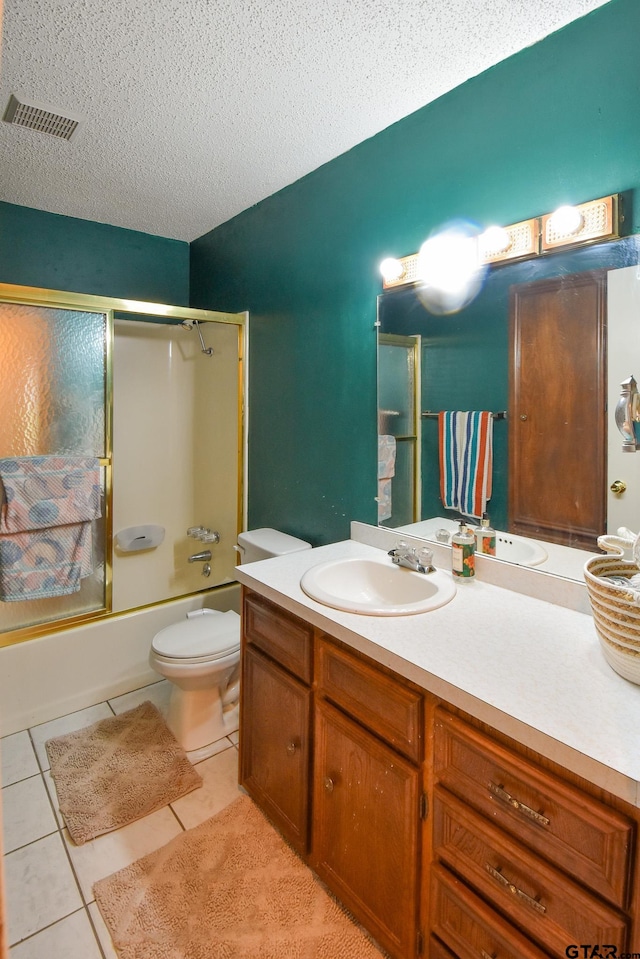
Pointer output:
521, 240
598, 220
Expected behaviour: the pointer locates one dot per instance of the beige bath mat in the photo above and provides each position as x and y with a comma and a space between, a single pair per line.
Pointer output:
229, 889
118, 770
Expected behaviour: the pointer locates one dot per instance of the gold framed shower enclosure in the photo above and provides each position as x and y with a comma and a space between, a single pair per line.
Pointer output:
115, 311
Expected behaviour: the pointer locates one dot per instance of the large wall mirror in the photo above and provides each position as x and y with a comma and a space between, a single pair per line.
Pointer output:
546, 342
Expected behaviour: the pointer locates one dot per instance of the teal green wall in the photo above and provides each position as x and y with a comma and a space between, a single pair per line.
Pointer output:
556, 123
81, 256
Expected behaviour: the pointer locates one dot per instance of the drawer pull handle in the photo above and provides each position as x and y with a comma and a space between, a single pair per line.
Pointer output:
329, 784
530, 901
488, 955
292, 747
502, 794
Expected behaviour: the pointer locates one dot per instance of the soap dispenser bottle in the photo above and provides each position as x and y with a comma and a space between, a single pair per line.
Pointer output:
463, 554
486, 537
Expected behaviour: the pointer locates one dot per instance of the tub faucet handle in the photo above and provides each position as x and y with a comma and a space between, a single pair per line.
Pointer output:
210, 536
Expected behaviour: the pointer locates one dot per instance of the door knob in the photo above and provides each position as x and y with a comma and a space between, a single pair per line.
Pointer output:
618, 486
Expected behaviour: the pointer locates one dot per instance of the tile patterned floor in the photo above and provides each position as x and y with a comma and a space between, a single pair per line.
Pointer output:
51, 909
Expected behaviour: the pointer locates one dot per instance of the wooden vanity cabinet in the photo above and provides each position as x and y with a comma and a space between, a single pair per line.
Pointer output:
275, 716
352, 805
367, 796
522, 852
442, 836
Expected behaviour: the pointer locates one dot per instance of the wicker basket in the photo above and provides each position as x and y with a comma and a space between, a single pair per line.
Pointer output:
616, 613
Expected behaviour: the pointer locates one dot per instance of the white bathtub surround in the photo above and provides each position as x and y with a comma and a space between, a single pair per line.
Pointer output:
524, 665
76, 668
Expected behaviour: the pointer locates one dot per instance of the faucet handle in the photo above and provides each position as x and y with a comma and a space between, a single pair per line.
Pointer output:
209, 536
195, 531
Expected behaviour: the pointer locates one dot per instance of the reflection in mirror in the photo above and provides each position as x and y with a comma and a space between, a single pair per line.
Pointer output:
550, 341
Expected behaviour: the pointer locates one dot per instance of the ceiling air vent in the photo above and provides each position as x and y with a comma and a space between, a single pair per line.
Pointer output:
39, 118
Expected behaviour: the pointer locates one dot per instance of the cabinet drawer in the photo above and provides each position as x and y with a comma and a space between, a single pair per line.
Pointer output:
471, 928
438, 951
541, 901
378, 701
579, 834
282, 636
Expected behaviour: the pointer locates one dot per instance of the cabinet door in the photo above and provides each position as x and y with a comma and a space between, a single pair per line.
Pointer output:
274, 745
366, 828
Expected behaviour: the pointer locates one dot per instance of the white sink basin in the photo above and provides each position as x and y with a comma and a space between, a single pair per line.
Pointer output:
376, 587
516, 549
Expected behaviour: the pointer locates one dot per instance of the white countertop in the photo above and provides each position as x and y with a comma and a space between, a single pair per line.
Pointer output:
526, 667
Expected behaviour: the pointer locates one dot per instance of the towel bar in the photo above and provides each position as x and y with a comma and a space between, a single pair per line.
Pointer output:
501, 415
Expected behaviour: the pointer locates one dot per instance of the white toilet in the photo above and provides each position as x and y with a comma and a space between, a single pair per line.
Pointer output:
201, 656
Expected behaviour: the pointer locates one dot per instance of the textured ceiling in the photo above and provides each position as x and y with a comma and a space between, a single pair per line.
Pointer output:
194, 110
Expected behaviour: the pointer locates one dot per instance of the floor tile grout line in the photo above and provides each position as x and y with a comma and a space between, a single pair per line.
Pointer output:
49, 925
32, 842
180, 823
23, 780
93, 927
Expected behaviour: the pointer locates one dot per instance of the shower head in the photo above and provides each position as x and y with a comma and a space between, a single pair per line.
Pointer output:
189, 325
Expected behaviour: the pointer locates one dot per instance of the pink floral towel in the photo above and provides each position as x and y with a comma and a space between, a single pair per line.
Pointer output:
48, 504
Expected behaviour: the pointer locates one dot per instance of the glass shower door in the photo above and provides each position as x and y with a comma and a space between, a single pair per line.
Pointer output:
398, 429
54, 414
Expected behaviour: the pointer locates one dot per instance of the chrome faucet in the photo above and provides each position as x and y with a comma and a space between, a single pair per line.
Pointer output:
202, 557
420, 560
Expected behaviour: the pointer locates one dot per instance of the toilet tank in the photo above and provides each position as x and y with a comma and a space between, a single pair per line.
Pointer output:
265, 543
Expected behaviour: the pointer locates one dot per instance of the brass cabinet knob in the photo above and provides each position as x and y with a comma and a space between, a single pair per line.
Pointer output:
292, 747
329, 784
524, 417
618, 486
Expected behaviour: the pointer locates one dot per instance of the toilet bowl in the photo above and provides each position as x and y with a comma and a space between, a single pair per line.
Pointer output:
200, 656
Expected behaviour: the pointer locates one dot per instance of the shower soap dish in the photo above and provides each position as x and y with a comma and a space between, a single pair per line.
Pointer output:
136, 538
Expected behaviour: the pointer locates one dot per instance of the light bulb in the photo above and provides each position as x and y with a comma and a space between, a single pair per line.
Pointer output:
566, 221
449, 268
391, 269
495, 239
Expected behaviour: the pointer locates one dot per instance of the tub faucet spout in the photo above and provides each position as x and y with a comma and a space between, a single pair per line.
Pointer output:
202, 557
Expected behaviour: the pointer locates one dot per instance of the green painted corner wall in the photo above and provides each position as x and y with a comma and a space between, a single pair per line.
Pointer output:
64, 253
555, 123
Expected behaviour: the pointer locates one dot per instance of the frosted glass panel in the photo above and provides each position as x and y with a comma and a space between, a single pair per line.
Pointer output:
52, 381
396, 386
53, 402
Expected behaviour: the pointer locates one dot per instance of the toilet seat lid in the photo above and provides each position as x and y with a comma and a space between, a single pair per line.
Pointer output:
208, 636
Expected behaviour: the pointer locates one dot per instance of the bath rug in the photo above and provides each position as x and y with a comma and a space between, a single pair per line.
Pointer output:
118, 770
231, 888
